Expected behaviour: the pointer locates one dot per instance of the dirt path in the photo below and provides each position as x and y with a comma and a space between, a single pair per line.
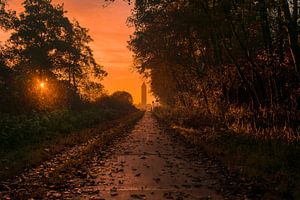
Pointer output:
148, 164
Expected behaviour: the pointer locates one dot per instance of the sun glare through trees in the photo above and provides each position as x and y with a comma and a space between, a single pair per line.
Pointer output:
42, 85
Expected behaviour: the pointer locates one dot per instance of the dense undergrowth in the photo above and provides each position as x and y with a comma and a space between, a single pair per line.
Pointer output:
27, 139
23, 130
274, 162
73, 163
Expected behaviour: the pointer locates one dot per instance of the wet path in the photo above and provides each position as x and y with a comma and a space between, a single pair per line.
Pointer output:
149, 164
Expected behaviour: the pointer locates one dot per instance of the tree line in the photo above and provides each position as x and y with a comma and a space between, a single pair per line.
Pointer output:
235, 60
47, 62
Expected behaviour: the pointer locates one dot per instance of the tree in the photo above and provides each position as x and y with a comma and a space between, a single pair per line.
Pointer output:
7, 17
123, 97
47, 45
7, 20
220, 54
40, 32
45, 48
78, 63
292, 23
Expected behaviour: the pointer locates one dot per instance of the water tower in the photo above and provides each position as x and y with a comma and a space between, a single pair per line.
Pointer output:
144, 94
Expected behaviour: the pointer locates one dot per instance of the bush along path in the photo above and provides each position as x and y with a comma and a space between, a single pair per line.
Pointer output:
53, 174
261, 167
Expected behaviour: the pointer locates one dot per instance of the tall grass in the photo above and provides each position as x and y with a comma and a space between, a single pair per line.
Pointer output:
238, 120
269, 154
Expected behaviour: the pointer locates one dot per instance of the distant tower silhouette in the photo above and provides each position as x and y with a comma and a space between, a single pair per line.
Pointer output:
144, 94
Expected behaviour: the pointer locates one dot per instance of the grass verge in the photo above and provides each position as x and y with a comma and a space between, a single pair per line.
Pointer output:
77, 166
273, 163
27, 141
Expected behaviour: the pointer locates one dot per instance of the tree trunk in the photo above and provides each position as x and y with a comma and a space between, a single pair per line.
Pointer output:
74, 81
292, 28
266, 27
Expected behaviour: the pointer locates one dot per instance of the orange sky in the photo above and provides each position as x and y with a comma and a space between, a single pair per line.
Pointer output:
108, 29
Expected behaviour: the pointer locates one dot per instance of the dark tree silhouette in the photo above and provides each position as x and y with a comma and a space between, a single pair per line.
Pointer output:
222, 57
47, 60
123, 97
